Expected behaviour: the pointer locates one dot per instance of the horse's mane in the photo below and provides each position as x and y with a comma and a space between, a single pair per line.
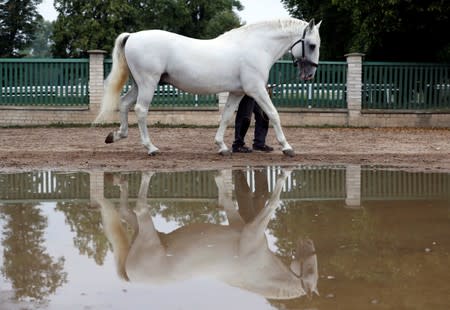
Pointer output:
289, 25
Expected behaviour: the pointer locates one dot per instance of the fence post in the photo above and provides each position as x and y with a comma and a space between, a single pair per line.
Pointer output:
97, 185
354, 88
353, 186
96, 78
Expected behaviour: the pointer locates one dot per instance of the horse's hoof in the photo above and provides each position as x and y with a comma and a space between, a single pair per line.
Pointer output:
289, 152
110, 138
153, 153
225, 153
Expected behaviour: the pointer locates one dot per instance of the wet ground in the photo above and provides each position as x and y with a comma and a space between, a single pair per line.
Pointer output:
71, 149
344, 236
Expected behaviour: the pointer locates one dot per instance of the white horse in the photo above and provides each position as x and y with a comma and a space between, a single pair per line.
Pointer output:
237, 62
236, 254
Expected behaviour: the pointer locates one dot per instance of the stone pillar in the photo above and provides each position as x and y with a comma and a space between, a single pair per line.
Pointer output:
353, 186
96, 78
97, 185
354, 87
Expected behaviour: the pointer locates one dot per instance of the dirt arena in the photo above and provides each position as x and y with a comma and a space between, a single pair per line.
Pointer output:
64, 149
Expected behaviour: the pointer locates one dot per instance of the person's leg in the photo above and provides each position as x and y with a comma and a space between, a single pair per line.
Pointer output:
261, 194
261, 129
242, 123
243, 195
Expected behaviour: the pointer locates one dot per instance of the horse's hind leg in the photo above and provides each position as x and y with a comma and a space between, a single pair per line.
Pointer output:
125, 104
147, 254
144, 98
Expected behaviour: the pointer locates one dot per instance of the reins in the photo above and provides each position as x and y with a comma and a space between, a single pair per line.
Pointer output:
300, 276
302, 60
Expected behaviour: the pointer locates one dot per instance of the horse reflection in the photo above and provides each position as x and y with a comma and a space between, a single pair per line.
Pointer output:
236, 254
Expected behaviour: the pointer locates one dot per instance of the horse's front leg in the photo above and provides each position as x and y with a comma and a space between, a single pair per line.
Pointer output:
253, 233
224, 182
125, 104
227, 114
264, 101
144, 98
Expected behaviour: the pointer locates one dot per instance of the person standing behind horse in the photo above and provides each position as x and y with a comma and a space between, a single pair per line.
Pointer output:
242, 123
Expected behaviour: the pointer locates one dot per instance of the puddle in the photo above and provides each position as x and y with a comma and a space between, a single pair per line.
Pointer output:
315, 237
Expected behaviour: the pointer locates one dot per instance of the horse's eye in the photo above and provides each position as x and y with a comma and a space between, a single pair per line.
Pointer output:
312, 46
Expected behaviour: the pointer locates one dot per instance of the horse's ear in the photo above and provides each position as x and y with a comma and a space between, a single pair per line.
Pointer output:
318, 25
311, 24
315, 290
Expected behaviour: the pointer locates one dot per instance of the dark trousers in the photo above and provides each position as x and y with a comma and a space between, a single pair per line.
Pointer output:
250, 203
247, 106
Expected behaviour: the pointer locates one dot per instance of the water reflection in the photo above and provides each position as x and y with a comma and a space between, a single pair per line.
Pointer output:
236, 254
32, 271
379, 236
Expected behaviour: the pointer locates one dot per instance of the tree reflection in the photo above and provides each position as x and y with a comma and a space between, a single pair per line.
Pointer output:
85, 223
189, 212
183, 209
34, 274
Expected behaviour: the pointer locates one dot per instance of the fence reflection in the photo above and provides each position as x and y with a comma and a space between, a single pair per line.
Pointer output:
350, 183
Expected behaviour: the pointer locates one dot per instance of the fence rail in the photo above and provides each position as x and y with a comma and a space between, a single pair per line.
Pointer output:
406, 86
44, 82
306, 183
327, 90
387, 86
167, 96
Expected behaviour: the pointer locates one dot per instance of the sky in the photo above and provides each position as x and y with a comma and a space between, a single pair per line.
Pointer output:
255, 10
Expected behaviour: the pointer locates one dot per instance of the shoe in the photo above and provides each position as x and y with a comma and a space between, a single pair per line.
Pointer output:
264, 148
242, 149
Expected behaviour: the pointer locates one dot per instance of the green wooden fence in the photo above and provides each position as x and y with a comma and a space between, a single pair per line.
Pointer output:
305, 183
327, 90
406, 86
393, 86
45, 82
167, 96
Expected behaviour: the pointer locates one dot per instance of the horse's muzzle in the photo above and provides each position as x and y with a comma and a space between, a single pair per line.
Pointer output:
307, 69
307, 74
306, 77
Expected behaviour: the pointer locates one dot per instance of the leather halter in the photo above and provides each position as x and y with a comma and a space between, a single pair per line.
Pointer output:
302, 61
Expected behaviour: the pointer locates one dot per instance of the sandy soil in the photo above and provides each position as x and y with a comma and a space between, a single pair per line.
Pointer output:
23, 149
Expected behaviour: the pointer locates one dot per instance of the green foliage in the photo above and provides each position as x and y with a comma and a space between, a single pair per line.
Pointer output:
399, 30
389, 30
33, 273
85, 25
41, 44
18, 22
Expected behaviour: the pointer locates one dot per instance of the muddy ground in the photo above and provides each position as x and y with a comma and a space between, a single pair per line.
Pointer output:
23, 149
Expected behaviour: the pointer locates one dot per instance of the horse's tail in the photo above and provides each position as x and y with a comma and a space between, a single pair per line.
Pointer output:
116, 235
115, 81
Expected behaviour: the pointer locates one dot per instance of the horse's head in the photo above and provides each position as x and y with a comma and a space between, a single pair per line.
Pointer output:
304, 265
305, 51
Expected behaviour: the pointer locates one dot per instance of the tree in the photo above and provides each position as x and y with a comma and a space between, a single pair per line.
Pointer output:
83, 25
41, 44
335, 31
18, 22
205, 17
395, 30
400, 30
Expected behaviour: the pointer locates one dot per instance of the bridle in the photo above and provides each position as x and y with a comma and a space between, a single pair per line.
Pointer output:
301, 275
303, 61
